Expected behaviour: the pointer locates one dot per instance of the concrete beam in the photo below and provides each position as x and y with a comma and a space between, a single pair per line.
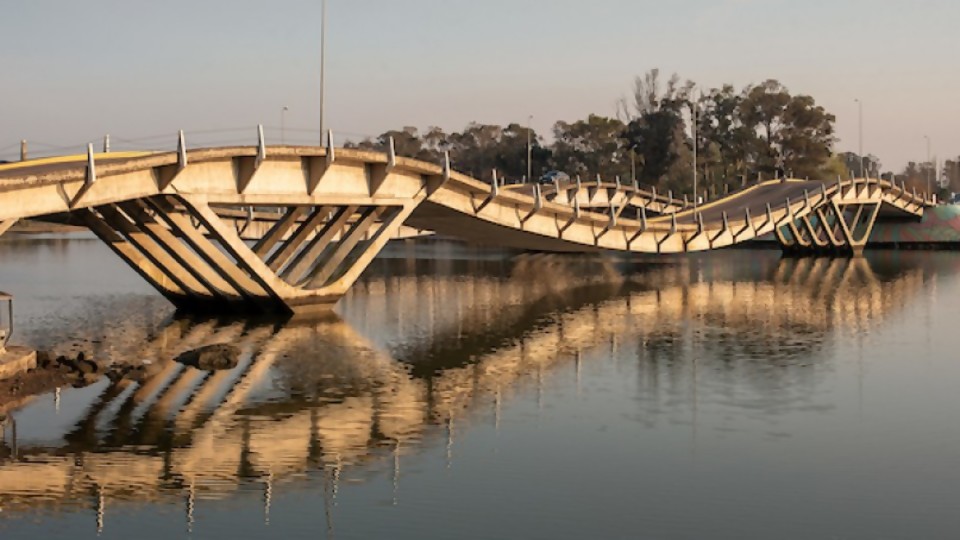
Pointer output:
156, 253
280, 230
6, 224
229, 270
187, 258
326, 268
148, 270
304, 232
308, 255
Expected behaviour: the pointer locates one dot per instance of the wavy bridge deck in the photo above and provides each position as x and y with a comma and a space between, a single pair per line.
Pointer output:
168, 215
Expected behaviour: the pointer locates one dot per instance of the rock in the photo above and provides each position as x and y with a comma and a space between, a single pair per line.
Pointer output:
211, 357
66, 365
86, 366
81, 382
128, 372
44, 360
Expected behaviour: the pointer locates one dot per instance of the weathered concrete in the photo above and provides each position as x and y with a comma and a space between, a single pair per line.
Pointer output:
15, 360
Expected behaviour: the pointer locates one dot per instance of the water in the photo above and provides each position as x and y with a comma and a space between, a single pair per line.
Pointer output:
461, 393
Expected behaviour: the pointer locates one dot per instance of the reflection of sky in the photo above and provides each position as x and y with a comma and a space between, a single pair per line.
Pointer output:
673, 408
135, 69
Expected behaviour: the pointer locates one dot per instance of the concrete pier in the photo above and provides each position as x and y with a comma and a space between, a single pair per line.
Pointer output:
15, 360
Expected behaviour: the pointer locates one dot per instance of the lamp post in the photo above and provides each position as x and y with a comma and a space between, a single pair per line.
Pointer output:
860, 129
283, 124
323, 54
929, 187
529, 151
693, 128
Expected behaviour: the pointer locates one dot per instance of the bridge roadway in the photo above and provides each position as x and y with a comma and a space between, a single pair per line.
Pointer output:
163, 213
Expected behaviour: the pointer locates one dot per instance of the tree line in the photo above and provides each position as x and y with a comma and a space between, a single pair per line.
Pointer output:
761, 131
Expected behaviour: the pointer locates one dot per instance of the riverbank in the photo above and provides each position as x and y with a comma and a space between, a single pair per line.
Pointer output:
29, 374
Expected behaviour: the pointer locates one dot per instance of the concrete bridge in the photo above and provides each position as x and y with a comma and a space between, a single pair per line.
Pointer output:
166, 215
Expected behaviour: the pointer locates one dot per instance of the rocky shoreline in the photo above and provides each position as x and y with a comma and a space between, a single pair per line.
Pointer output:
52, 372
62, 371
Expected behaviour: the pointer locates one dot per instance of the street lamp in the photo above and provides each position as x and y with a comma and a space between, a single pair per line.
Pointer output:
529, 151
693, 129
323, 54
283, 124
860, 121
929, 187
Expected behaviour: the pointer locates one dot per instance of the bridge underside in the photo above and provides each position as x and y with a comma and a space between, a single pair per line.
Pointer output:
833, 228
293, 228
307, 259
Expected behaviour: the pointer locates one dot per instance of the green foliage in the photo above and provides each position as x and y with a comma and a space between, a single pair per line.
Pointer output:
835, 167
762, 131
589, 147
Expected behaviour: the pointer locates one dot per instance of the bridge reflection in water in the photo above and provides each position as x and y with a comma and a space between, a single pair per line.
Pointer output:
311, 400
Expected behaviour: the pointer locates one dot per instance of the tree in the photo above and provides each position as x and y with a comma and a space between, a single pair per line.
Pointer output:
951, 172
648, 96
591, 146
835, 167
656, 131
724, 142
659, 141
480, 148
871, 164
794, 135
762, 129
406, 142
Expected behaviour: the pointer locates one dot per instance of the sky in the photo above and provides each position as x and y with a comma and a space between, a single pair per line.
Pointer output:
141, 70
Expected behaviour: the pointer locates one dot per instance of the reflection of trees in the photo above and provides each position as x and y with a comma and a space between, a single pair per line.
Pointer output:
321, 395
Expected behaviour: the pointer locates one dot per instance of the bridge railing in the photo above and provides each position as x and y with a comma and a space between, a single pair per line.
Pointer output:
167, 141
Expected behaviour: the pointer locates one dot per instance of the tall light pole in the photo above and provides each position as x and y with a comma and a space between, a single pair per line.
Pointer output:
929, 193
529, 151
283, 124
694, 132
323, 54
860, 122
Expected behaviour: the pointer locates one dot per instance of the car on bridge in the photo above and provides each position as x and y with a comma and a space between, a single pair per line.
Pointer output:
553, 177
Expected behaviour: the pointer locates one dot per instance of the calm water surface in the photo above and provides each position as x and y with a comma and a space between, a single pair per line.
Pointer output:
472, 394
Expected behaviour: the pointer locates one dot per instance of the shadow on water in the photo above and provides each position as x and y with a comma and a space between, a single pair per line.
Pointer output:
416, 351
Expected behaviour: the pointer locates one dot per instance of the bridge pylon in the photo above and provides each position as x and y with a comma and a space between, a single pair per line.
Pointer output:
838, 225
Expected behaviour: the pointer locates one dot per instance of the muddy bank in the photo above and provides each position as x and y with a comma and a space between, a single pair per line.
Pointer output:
59, 372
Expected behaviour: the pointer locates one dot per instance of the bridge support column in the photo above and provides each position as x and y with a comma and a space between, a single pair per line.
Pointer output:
856, 231
6, 224
839, 227
156, 275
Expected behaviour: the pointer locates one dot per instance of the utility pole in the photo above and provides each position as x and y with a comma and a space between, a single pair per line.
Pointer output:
529, 151
860, 120
694, 130
323, 54
23, 150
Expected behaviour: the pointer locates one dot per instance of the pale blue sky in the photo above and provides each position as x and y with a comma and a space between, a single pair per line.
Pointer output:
73, 70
